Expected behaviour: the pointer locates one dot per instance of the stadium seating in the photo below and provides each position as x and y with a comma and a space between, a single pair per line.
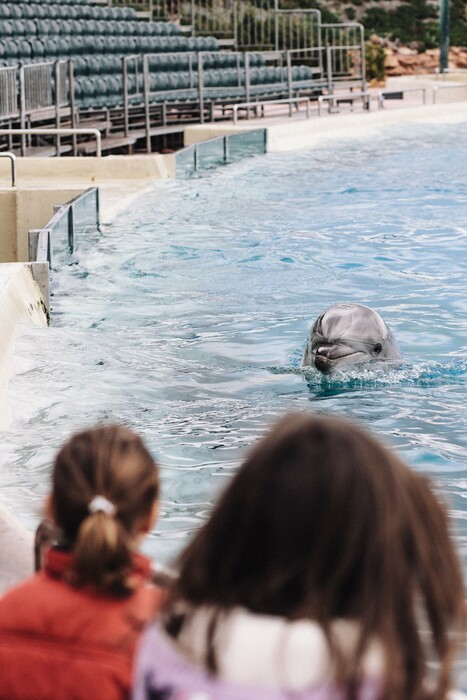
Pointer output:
96, 39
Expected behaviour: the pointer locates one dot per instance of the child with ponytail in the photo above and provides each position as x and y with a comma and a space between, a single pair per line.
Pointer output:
70, 631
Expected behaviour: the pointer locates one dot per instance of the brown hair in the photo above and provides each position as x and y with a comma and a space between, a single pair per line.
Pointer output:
322, 522
111, 462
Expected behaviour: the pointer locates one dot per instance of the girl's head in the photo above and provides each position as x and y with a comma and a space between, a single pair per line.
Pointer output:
104, 497
323, 522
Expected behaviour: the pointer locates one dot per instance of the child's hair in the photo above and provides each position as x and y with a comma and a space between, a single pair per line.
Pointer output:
104, 485
324, 522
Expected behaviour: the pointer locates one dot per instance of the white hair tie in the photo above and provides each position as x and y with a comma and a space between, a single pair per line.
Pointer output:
101, 504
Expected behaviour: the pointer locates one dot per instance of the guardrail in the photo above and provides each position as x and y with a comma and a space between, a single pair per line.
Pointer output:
12, 158
398, 95
57, 132
253, 106
439, 88
337, 97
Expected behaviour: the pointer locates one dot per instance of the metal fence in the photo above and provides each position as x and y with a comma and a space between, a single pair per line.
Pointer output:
263, 25
30, 89
213, 91
9, 93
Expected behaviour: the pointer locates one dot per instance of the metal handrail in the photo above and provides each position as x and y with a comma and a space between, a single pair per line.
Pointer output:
383, 94
290, 101
365, 96
12, 158
57, 132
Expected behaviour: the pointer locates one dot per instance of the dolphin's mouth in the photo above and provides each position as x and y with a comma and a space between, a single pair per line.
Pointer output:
332, 358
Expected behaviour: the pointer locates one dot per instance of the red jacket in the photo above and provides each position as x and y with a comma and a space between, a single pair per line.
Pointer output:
58, 642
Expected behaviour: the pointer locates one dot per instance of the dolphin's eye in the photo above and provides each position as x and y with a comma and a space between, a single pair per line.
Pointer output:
377, 348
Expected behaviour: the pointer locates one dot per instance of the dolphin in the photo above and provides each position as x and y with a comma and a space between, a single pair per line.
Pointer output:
346, 334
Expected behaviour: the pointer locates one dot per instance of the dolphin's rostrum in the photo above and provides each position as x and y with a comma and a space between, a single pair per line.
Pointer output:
347, 334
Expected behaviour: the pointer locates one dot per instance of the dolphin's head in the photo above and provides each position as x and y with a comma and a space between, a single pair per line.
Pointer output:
348, 334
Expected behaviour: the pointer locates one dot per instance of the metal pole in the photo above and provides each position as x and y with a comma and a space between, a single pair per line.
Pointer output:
71, 86
12, 158
329, 69
289, 74
39, 131
235, 24
22, 108
147, 116
201, 87
57, 106
443, 35
247, 79
71, 229
126, 127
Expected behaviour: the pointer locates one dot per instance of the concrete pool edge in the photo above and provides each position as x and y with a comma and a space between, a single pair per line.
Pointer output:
294, 134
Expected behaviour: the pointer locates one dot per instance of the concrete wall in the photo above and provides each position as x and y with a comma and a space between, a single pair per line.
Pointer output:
87, 171
8, 246
20, 302
23, 209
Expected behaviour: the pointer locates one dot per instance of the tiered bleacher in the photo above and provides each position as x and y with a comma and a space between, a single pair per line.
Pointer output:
72, 54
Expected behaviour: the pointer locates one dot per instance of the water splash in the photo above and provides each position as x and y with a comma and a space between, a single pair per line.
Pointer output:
420, 374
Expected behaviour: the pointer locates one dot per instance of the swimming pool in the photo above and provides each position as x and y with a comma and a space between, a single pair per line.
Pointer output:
187, 319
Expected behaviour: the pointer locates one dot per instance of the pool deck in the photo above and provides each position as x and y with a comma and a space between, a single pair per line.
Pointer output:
122, 179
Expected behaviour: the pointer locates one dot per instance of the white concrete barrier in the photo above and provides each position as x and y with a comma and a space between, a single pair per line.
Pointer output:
20, 302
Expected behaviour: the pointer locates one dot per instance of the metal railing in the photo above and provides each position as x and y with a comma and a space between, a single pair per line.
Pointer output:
349, 97
9, 93
144, 84
398, 95
12, 158
39, 131
261, 25
254, 106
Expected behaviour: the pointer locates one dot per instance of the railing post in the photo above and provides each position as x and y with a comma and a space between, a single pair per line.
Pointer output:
235, 24
71, 83
201, 87
125, 95
329, 68
71, 229
98, 210
57, 106
193, 18
362, 53
147, 115
289, 74
247, 80
22, 108
276, 25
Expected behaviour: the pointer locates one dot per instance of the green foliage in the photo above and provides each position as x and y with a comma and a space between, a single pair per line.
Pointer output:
377, 21
374, 60
416, 21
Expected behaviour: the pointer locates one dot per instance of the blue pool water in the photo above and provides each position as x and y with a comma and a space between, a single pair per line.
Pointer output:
188, 316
